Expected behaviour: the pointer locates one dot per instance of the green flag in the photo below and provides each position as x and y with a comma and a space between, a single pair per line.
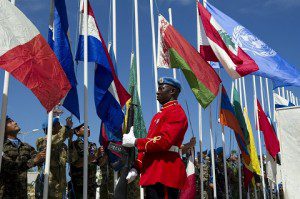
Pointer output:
240, 115
138, 124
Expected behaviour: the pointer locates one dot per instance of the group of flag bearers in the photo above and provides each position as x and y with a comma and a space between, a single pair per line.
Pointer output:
216, 44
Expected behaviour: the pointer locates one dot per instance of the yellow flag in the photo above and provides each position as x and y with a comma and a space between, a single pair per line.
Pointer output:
254, 163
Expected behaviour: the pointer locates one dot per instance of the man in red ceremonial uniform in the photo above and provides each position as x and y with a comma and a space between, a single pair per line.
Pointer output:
162, 170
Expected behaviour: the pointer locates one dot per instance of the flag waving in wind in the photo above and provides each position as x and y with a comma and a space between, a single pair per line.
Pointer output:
228, 118
59, 42
270, 64
175, 52
109, 94
26, 55
271, 140
217, 45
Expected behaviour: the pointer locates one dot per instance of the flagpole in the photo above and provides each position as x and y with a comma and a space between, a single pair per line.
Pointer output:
224, 161
114, 46
279, 93
85, 154
48, 154
114, 23
137, 47
283, 92
154, 52
287, 95
258, 134
171, 22
200, 114
4, 106
212, 153
239, 156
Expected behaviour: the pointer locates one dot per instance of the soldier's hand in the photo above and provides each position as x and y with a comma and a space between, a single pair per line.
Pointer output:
69, 122
132, 174
40, 157
129, 139
100, 151
192, 142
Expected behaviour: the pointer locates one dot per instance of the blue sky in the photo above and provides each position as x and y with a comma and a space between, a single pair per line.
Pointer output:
275, 22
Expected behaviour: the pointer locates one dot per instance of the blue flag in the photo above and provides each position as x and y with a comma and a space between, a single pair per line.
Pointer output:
270, 64
59, 42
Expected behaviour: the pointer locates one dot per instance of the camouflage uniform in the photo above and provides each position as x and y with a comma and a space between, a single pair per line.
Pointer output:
76, 153
220, 179
57, 175
207, 193
233, 179
16, 160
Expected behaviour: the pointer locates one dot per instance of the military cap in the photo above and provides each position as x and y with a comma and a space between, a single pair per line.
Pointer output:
45, 124
219, 150
170, 81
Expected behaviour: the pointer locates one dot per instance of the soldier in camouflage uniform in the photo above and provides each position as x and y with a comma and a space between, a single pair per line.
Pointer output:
207, 193
57, 175
76, 153
17, 158
233, 175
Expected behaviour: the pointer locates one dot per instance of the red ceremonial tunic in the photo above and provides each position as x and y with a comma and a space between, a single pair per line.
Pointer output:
156, 163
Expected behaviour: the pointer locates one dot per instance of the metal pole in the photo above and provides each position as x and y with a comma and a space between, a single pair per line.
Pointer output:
114, 43
114, 22
137, 47
200, 115
268, 97
171, 22
48, 155
258, 134
85, 153
224, 162
239, 154
212, 153
4, 107
154, 52
283, 92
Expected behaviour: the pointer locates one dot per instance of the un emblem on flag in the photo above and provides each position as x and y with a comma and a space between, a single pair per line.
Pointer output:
250, 43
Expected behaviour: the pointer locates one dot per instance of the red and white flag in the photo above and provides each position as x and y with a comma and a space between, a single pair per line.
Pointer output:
189, 189
217, 45
26, 55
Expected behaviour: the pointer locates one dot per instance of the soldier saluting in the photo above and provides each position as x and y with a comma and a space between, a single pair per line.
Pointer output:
17, 158
162, 170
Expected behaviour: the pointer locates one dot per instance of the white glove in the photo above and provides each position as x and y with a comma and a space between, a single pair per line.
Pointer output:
132, 174
129, 139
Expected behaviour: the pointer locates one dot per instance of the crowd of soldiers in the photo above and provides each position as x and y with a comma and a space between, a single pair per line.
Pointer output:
232, 163
18, 157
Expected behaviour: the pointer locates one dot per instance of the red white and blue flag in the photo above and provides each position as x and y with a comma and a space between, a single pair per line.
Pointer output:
217, 45
26, 55
109, 94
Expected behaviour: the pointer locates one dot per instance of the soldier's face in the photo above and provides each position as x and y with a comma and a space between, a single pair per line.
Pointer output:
12, 127
81, 132
165, 93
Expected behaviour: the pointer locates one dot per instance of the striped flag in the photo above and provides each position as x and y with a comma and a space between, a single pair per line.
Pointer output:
175, 52
228, 118
109, 94
26, 55
217, 45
